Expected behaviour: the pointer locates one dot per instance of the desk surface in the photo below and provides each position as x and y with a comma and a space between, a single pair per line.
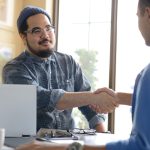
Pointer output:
97, 139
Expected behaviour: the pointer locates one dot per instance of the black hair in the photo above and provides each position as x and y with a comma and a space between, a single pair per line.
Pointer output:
23, 27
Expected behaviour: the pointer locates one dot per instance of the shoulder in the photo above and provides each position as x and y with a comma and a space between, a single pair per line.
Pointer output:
145, 73
143, 84
20, 58
16, 62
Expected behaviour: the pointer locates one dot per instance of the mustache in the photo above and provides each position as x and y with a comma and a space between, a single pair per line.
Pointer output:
43, 41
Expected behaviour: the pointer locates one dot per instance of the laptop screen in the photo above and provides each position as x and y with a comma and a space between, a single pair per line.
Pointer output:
18, 109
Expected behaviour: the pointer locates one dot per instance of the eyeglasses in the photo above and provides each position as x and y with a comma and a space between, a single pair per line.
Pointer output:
83, 131
37, 31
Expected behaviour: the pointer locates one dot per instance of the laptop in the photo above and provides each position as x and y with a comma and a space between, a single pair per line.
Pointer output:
18, 110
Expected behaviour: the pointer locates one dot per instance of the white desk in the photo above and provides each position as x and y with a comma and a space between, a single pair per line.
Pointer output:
101, 139
98, 139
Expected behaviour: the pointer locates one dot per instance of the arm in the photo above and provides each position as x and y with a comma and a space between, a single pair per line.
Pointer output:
56, 98
124, 98
76, 99
52, 146
22, 74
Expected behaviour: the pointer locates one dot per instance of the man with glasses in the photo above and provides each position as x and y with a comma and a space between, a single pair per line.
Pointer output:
140, 134
61, 85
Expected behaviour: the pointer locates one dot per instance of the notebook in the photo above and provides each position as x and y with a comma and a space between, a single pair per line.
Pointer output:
18, 110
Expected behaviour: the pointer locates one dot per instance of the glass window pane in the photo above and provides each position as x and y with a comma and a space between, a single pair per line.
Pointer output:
91, 36
84, 26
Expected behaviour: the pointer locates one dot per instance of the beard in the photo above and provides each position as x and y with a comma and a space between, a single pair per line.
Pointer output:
41, 53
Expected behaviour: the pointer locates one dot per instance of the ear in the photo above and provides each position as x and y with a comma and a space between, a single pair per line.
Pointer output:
147, 10
23, 37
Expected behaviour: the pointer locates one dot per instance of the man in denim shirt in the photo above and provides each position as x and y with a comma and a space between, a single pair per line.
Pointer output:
60, 82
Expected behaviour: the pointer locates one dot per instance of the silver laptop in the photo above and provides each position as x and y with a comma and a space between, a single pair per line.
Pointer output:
18, 109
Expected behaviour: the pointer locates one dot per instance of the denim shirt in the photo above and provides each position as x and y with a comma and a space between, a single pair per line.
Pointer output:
52, 77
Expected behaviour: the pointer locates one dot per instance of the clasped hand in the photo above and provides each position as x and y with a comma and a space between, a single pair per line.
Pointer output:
108, 102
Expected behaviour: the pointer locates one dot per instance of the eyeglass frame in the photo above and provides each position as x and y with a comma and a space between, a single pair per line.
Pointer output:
48, 29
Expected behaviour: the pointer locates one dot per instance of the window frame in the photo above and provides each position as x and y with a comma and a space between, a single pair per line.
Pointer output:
113, 43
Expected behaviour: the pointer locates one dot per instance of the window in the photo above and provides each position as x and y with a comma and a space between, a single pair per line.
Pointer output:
84, 33
6, 12
84, 27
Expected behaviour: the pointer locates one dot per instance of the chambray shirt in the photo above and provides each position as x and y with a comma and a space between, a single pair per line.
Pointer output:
140, 135
52, 78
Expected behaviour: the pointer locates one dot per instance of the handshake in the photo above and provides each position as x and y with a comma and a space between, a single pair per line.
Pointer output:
104, 100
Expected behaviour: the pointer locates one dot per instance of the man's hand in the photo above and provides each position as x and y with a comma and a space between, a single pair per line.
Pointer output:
109, 96
107, 90
104, 99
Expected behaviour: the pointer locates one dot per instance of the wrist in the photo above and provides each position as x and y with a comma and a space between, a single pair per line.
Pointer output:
118, 95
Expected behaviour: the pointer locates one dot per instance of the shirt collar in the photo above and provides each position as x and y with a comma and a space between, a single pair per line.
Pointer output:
39, 60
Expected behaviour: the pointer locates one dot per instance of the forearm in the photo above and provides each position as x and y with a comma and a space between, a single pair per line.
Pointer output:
45, 146
124, 98
74, 99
